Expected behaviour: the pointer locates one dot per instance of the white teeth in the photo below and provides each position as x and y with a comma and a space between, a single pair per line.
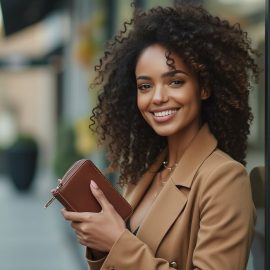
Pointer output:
164, 113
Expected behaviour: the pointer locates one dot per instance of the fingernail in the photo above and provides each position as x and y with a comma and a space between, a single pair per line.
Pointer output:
93, 184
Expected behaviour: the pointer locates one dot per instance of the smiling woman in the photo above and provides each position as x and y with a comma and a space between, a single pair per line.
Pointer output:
173, 109
169, 100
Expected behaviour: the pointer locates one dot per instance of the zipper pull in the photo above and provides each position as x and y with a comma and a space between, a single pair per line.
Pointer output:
53, 198
49, 202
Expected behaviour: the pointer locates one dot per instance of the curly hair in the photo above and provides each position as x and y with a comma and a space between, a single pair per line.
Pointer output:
219, 53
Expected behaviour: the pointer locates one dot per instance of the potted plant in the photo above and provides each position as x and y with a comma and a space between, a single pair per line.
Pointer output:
2, 161
22, 161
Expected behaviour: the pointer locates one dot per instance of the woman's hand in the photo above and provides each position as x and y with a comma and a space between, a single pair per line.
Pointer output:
98, 231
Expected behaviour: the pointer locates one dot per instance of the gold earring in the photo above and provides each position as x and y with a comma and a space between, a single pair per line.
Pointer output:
204, 94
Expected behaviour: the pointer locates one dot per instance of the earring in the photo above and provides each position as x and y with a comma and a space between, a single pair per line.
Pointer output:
204, 94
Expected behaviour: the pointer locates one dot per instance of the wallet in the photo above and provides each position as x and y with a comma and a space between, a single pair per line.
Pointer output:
74, 191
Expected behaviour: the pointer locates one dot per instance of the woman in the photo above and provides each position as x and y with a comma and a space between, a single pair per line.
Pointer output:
173, 109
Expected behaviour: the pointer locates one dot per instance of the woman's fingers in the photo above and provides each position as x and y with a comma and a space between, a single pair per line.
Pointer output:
99, 195
75, 216
81, 233
81, 239
97, 230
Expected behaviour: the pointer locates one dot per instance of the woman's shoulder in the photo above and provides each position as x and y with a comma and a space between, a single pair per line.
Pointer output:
224, 182
219, 169
218, 160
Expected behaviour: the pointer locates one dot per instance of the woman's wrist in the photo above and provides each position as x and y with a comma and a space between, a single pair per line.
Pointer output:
97, 255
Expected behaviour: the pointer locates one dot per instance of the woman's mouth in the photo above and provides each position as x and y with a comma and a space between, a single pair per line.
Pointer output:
164, 116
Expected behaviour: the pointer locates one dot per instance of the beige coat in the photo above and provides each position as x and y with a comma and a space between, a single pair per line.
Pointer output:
202, 219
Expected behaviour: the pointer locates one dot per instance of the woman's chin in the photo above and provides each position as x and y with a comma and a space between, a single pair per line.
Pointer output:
164, 132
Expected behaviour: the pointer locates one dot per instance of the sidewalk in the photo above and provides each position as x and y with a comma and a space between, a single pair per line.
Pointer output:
34, 238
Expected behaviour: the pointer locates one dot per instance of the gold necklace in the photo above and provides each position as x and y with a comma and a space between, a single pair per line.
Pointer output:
165, 165
164, 181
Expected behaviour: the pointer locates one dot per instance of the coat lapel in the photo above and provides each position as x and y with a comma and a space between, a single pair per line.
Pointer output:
167, 207
200, 148
171, 200
134, 193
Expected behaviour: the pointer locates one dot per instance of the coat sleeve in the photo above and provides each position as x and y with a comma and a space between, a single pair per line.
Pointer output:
227, 220
129, 253
224, 237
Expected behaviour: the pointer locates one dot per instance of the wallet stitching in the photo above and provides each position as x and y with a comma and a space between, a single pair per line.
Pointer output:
69, 176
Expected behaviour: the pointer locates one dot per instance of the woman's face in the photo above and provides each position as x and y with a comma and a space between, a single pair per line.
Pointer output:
168, 99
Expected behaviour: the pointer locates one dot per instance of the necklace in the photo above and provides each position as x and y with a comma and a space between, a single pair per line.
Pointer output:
165, 165
164, 181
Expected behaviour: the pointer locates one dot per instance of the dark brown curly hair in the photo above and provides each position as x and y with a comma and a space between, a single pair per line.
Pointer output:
221, 56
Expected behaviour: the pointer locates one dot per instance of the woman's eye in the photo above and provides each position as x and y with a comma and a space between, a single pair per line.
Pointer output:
176, 82
143, 86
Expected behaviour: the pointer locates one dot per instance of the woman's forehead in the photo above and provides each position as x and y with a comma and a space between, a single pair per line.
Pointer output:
157, 57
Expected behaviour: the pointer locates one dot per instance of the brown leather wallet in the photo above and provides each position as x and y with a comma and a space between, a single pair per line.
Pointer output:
75, 195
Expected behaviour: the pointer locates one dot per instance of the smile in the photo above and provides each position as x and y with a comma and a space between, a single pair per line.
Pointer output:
164, 113
164, 116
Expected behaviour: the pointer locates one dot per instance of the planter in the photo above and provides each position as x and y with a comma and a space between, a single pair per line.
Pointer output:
22, 167
22, 162
3, 165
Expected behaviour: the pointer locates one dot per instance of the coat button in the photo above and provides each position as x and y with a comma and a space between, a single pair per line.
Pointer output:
112, 268
173, 265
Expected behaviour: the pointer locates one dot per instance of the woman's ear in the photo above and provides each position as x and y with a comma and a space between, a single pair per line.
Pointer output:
205, 94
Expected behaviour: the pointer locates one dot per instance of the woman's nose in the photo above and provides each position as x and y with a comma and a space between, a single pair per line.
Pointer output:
160, 95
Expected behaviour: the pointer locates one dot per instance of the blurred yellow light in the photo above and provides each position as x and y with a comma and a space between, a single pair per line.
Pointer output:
85, 141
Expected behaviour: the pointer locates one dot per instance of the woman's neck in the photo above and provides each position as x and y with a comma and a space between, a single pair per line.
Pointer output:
178, 143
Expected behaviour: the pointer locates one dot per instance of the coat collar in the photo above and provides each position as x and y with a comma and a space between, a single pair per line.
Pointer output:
200, 148
171, 200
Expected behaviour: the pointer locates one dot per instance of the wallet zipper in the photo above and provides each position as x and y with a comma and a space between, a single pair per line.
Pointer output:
61, 184
53, 198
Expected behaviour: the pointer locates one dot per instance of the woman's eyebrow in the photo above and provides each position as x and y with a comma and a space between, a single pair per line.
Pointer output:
143, 78
173, 72
166, 74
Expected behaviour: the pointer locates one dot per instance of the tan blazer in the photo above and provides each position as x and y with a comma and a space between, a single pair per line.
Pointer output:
202, 219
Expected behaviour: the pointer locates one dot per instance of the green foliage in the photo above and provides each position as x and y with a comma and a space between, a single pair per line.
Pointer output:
24, 141
66, 153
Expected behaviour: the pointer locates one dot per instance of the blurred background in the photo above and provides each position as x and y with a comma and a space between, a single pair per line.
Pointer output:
47, 52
